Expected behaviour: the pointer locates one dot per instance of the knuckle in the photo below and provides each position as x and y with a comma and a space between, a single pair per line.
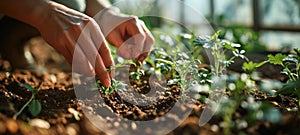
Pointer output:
134, 18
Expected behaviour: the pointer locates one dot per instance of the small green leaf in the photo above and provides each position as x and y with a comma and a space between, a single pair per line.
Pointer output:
290, 59
291, 88
229, 47
249, 66
277, 59
27, 86
165, 61
35, 107
297, 50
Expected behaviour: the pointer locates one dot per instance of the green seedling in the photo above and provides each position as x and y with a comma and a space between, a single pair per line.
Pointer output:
290, 64
33, 104
75, 113
138, 73
219, 48
291, 68
115, 85
250, 66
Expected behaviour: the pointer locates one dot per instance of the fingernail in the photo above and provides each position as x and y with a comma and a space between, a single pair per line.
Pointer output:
107, 82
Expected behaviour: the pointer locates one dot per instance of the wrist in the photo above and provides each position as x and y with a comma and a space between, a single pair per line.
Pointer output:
107, 18
108, 11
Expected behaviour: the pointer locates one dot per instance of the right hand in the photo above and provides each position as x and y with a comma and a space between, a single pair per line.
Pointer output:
79, 39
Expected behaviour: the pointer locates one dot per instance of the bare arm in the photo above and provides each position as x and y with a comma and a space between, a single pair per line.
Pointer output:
95, 6
75, 35
34, 10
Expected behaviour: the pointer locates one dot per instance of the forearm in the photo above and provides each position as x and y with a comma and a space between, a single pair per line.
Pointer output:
32, 12
95, 6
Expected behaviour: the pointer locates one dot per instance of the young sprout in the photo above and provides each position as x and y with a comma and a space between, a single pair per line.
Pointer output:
34, 105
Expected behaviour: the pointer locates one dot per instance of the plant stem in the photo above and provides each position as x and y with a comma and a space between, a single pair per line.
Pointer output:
24, 106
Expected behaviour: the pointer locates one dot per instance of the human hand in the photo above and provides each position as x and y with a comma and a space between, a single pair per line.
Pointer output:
79, 39
127, 33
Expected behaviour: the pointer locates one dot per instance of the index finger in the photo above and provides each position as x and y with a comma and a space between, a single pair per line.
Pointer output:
90, 41
136, 36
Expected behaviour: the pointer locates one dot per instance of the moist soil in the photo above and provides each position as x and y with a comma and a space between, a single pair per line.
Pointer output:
60, 102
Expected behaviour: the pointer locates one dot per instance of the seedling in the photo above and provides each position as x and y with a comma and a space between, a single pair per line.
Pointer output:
291, 68
290, 63
75, 113
34, 105
219, 48
115, 85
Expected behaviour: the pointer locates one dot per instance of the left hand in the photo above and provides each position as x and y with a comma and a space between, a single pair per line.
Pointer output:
129, 34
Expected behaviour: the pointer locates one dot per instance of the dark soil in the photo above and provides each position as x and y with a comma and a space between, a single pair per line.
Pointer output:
59, 98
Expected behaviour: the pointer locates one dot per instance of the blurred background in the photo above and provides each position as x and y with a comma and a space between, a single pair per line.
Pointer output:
259, 25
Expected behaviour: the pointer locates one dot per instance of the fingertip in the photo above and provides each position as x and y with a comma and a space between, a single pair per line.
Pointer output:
107, 83
104, 78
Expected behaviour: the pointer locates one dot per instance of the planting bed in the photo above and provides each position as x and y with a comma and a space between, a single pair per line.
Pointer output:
60, 105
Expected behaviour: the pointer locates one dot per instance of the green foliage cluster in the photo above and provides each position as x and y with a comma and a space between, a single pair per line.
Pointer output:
291, 68
187, 70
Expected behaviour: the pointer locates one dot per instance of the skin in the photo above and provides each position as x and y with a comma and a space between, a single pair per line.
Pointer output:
80, 37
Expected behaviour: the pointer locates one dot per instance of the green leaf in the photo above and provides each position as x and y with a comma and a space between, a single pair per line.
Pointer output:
165, 61
35, 107
228, 46
297, 50
291, 60
277, 59
250, 66
27, 86
215, 36
291, 88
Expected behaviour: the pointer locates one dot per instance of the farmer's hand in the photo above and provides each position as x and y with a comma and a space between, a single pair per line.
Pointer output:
79, 39
127, 33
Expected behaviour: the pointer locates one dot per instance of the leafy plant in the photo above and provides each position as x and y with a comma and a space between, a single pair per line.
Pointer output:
219, 48
34, 105
290, 63
115, 85
250, 66
291, 68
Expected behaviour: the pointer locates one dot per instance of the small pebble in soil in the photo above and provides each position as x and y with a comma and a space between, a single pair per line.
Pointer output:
116, 124
214, 128
40, 123
72, 129
53, 78
274, 103
133, 126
